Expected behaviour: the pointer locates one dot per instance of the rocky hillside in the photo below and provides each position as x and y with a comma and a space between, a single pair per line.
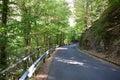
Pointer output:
104, 35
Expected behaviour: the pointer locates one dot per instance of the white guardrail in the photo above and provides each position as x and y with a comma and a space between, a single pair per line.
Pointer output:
28, 74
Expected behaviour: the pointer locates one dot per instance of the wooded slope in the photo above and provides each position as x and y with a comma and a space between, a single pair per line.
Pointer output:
104, 35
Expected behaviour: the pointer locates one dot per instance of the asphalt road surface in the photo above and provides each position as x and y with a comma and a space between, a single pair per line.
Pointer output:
70, 64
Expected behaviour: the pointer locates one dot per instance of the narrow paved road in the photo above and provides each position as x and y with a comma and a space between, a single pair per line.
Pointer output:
70, 64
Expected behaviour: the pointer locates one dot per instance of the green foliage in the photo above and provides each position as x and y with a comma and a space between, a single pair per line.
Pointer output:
98, 30
33, 24
86, 13
114, 2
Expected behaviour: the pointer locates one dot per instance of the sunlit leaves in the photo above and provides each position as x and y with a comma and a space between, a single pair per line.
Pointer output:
35, 20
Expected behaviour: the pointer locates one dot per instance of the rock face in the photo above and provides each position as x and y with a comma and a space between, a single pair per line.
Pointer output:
104, 35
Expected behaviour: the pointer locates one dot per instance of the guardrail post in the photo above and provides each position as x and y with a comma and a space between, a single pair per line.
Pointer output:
49, 46
48, 53
44, 60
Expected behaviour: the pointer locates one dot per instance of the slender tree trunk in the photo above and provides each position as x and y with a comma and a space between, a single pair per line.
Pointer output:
57, 39
27, 44
91, 16
60, 38
3, 43
63, 37
44, 41
37, 41
3, 56
86, 14
37, 38
26, 32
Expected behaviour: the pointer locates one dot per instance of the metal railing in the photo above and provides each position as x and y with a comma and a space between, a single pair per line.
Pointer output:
33, 67
14, 72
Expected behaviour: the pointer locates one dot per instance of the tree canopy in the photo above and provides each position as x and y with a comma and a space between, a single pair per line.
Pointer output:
26, 25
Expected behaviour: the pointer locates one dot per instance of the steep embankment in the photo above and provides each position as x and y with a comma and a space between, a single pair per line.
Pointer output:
104, 35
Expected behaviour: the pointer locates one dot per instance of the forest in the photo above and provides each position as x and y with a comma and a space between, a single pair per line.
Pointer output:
29, 25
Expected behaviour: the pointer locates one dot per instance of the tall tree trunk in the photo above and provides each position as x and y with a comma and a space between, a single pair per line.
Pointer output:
26, 32
3, 43
27, 44
91, 15
57, 39
60, 39
27, 29
86, 14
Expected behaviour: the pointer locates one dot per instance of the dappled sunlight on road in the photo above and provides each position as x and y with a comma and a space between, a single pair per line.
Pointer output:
83, 63
113, 69
62, 48
70, 64
69, 61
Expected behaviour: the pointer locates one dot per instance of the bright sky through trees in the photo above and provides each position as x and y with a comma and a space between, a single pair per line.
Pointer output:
71, 7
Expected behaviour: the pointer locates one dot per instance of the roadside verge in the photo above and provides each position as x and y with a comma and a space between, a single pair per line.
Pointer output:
101, 57
42, 73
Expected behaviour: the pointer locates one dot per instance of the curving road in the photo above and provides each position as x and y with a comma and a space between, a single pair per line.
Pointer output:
70, 64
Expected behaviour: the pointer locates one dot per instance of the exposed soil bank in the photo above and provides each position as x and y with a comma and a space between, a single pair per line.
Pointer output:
103, 38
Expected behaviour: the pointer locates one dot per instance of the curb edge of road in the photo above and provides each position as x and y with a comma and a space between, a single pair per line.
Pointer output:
100, 58
53, 54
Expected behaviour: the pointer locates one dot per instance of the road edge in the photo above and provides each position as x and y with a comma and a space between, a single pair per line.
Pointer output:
99, 58
43, 72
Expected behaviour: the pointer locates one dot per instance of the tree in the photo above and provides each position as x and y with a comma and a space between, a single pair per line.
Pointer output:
3, 33
31, 24
87, 12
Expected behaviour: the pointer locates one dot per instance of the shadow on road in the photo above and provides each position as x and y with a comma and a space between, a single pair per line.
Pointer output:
70, 64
